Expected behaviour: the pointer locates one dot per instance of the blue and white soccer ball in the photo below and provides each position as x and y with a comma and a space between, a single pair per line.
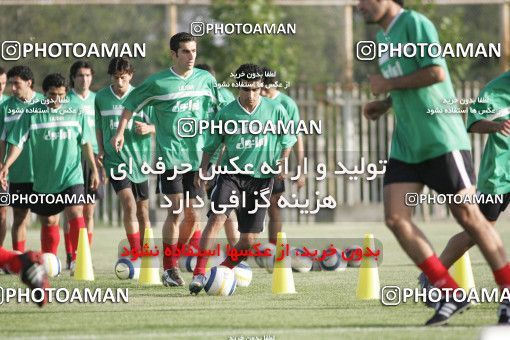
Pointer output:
355, 262
259, 260
220, 281
300, 264
243, 274
52, 264
126, 269
187, 263
334, 262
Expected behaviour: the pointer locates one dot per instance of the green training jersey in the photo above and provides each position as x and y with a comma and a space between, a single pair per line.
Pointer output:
493, 103
419, 135
290, 106
251, 149
55, 137
11, 111
3, 98
226, 97
173, 98
87, 106
136, 147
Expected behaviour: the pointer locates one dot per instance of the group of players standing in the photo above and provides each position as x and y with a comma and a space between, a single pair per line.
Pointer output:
57, 142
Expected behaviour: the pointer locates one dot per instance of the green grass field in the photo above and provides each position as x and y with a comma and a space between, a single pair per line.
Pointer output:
324, 307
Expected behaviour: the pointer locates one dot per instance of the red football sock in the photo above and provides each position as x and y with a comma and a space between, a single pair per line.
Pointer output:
169, 261
272, 242
50, 238
195, 239
502, 276
90, 239
134, 241
67, 242
10, 259
74, 230
437, 273
228, 262
201, 263
19, 246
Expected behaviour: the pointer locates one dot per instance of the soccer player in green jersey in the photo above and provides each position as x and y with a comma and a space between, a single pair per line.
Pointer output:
81, 74
3, 208
432, 150
271, 91
489, 114
253, 151
3, 83
57, 134
225, 97
21, 81
132, 188
178, 94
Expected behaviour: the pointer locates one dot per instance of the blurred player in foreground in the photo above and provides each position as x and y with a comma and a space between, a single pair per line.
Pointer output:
432, 150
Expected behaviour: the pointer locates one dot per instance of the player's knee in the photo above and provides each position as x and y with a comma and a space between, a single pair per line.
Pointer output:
395, 221
468, 216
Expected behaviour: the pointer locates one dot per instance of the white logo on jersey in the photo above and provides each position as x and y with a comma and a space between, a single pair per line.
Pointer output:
61, 134
114, 124
186, 106
251, 143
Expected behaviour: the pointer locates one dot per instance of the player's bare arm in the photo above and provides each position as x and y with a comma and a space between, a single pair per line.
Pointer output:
487, 126
284, 156
421, 78
14, 152
142, 128
89, 155
117, 141
377, 108
206, 158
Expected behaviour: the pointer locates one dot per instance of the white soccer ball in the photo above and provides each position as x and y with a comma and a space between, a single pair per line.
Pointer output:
215, 261
187, 263
334, 262
300, 264
52, 264
126, 269
220, 281
243, 274
355, 262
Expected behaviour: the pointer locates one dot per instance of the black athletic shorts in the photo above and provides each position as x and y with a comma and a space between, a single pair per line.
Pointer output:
227, 184
24, 189
60, 201
446, 174
87, 177
140, 190
182, 184
491, 211
278, 187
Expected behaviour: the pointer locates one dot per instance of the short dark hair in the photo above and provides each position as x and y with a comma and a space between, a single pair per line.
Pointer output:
246, 69
120, 64
206, 67
75, 67
22, 71
267, 79
400, 2
53, 80
2, 70
177, 39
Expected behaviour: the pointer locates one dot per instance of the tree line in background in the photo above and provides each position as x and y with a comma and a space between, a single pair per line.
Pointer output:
310, 56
